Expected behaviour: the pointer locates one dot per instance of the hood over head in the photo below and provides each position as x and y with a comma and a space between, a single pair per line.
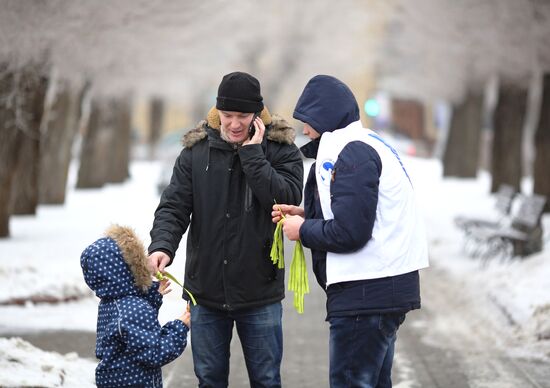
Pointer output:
326, 104
116, 265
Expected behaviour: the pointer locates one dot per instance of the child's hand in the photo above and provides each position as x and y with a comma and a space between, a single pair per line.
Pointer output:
164, 286
186, 317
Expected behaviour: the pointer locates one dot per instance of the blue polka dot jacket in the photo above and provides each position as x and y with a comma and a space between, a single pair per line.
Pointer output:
131, 345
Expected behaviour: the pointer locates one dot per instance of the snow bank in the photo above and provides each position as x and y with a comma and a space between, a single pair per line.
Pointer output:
23, 365
519, 287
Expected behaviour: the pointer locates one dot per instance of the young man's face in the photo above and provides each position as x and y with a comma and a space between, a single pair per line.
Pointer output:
234, 128
310, 132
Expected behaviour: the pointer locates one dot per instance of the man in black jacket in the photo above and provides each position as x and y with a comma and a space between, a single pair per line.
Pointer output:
223, 186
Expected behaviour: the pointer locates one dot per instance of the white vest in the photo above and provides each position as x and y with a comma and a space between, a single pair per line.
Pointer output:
398, 244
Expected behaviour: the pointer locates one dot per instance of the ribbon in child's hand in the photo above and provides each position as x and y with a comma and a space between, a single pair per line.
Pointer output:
162, 275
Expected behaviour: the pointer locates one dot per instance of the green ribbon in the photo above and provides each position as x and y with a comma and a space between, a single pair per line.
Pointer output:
298, 281
165, 274
277, 253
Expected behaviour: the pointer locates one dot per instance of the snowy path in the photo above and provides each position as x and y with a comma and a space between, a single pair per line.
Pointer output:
456, 340
461, 339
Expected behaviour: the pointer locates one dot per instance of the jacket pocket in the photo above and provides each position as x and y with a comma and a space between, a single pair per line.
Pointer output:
191, 265
248, 199
267, 268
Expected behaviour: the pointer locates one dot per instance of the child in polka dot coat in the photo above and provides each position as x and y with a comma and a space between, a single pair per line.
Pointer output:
131, 345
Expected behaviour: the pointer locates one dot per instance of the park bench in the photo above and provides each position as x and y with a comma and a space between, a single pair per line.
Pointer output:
503, 204
521, 236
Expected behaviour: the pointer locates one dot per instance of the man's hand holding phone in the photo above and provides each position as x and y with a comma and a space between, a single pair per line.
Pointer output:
256, 130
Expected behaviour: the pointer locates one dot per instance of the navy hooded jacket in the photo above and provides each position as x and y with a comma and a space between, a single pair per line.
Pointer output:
327, 104
131, 345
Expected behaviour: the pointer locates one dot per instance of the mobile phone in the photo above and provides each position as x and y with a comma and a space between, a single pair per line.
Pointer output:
251, 127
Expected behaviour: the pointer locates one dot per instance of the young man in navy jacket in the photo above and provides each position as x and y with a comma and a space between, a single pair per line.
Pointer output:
363, 228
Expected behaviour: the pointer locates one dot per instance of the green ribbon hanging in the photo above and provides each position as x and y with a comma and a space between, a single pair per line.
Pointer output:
161, 276
298, 281
277, 253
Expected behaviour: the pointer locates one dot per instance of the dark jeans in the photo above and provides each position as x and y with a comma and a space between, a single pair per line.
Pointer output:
361, 350
261, 335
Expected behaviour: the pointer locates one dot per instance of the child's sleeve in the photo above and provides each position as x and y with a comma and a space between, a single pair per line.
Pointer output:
149, 343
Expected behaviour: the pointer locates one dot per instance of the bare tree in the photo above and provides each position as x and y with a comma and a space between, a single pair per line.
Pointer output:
31, 86
22, 93
508, 132
96, 146
156, 122
399, 47
119, 160
11, 139
542, 144
461, 158
58, 133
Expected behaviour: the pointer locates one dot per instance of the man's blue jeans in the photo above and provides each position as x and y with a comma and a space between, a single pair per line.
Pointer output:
361, 350
261, 334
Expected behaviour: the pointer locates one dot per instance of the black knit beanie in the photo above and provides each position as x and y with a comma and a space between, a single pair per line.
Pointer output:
239, 92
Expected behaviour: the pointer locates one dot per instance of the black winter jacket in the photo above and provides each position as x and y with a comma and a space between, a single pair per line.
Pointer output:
225, 193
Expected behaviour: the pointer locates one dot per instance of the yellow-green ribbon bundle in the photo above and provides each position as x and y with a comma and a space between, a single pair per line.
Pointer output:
161, 276
298, 272
298, 277
277, 249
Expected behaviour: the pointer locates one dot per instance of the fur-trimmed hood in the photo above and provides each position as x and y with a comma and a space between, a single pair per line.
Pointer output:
116, 265
277, 129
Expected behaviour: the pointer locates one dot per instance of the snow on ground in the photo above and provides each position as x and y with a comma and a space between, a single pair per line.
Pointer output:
21, 364
41, 261
42, 258
520, 287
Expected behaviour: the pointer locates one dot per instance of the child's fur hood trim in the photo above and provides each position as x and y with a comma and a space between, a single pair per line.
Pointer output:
278, 130
133, 253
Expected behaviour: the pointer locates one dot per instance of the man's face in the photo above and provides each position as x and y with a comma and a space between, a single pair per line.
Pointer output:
234, 126
310, 132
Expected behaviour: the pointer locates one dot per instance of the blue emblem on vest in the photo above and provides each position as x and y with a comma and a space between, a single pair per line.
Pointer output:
326, 171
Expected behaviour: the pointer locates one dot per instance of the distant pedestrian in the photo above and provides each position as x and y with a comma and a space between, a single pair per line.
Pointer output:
131, 345
361, 223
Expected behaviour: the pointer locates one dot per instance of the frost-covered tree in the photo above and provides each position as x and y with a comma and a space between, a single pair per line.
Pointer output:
426, 50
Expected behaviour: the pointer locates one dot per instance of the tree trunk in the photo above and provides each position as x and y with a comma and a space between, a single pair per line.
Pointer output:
542, 145
32, 89
461, 158
57, 140
10, 142
156, 123
96, 149
121, 130
24, 196
507, 139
